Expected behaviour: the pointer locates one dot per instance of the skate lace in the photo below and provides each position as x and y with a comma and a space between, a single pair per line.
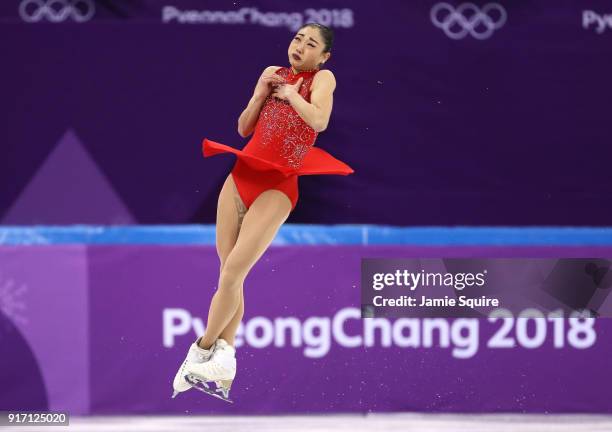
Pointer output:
221, 361
226, 351
217, 368
204, 356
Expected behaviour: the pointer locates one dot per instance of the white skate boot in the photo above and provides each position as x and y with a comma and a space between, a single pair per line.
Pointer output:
194, 355
221, 368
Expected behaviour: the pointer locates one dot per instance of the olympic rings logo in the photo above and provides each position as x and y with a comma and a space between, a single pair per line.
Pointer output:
57, 10
446, 17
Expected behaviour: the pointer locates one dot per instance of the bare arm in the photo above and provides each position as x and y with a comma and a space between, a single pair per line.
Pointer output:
248, 118
316, 113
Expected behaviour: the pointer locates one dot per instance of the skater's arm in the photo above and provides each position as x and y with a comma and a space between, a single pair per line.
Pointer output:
248, 118
316, 113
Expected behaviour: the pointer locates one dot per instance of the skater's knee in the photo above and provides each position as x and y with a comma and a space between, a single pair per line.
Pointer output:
231, 279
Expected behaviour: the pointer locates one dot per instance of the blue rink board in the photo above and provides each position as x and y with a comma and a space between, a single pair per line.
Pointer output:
301, 234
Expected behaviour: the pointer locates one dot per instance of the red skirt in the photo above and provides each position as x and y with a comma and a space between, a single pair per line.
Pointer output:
254, 175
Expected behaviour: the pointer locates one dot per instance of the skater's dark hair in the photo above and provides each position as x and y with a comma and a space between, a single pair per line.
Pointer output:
326, 33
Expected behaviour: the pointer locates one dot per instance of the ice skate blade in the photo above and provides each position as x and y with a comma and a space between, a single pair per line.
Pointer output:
198, 383
224, 383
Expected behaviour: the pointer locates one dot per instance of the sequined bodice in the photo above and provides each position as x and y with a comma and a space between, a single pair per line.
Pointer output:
281, 135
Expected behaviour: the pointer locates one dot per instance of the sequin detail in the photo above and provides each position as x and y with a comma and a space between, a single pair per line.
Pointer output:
280, 131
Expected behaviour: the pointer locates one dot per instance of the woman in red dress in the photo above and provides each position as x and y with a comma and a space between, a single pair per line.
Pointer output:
289, 107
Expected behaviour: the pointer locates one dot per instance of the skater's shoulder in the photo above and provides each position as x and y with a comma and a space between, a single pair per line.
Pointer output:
272, 69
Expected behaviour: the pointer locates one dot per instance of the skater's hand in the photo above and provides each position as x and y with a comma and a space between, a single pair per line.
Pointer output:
267, 81
287, 91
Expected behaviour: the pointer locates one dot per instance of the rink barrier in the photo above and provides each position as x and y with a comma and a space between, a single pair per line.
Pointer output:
305, 234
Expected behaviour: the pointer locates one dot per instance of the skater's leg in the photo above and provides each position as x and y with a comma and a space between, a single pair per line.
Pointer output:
224, 247
259, 227
230, 213
229, 332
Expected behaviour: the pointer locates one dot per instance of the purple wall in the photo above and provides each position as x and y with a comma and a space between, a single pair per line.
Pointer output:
102, 120
103, 329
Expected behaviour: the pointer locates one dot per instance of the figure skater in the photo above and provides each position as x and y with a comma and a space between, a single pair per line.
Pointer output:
289, 107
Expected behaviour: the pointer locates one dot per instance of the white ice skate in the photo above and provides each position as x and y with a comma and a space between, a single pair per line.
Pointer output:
221, 368
196, 354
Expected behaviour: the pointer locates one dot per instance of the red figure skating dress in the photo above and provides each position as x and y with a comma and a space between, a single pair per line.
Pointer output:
280, 150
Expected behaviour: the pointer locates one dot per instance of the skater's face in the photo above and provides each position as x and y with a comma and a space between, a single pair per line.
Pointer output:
306, 49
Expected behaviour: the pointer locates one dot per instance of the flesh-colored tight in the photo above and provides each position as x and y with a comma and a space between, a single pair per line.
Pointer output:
242, 237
